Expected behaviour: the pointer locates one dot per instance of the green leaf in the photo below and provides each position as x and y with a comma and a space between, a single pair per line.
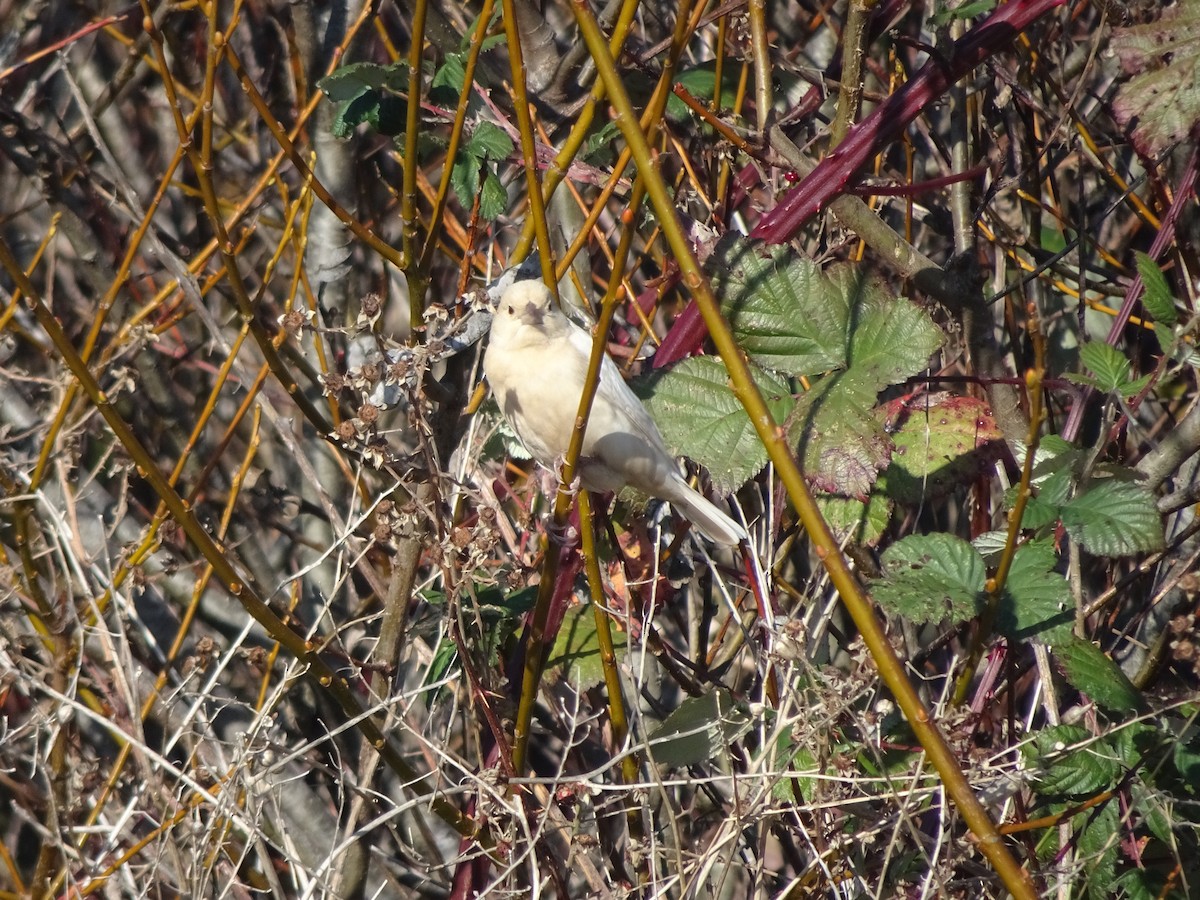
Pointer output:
892, 341
1162, 102
1158, 299
990, 545
701, 82
840, 440
969, 10
784, 313
489, 141
501, 615
792, 317
940, 442
796, 759
1186, 758
576, 654
1045, 506
1176, 347
1156, 809
464, 180
1091, 671
1140, 884
352, 80
493, 201
601, 142
700, 730
452, 75
1099, 839
384, 113
1070, 762
1036, 602
443, 659
932, 578
1111, 368
864, 522
1114, 518
700, 417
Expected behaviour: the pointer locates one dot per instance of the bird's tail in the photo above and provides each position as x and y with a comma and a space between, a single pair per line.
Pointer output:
710, 521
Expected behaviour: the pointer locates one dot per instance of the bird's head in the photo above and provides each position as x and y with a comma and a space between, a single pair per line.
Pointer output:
525, 303
526, 316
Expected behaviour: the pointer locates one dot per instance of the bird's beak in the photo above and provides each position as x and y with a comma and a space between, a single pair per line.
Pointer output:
533, 315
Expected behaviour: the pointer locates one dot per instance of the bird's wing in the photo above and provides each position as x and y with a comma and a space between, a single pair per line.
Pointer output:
621, 409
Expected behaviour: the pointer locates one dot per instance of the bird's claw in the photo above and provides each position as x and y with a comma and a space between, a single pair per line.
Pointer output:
570, 490
565, 535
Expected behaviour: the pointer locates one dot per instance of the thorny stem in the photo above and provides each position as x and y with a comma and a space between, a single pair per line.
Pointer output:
833, 174
854, 51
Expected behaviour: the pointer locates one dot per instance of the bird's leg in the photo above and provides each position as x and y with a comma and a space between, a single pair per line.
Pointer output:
567, 534
571, 489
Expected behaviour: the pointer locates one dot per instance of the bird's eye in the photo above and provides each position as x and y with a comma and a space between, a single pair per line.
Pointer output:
511, 311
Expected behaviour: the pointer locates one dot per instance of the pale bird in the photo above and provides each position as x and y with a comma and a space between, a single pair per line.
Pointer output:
536, 363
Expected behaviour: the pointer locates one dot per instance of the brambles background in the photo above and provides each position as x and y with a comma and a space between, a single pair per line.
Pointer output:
266, 589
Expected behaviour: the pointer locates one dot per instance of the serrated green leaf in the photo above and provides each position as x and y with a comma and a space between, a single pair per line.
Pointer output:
489, 141
1155, 808
990, 544
799, 759
439, 666
1036, 603
576, 654
493, 200
352, 80
1099, 838
1135, 742
793, 318
1053, 490
601, 143
1110, 367
700, 417
1052, 446
451, 75
1158, 299
1172, 344
939, 444
492, 40
864, 523
1045, 506
1114, 518
1089, 670
1140, 884
932, 578
1186, 758
1162, 102
363, 107
464, 180
500, 614
1071, 765
384, 113
891, 342
784, 313
841, 442
699, 730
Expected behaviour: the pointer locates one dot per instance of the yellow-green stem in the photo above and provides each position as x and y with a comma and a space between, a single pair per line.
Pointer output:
537, 207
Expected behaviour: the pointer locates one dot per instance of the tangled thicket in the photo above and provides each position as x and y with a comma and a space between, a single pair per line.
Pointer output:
272, 599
